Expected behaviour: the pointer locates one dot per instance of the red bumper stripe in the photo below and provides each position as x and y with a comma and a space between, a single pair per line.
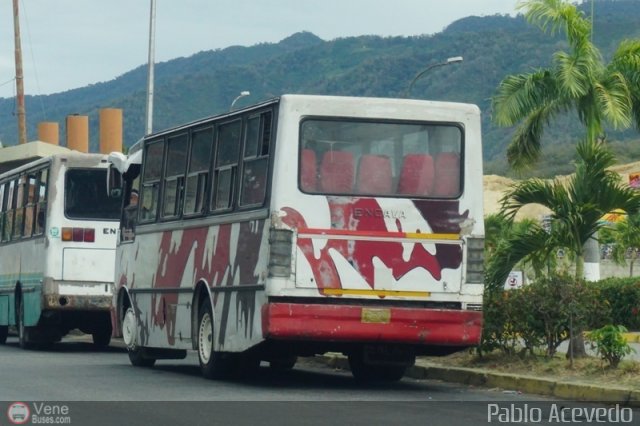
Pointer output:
311, 322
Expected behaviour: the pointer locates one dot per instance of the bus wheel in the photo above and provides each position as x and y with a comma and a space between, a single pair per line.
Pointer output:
364, 372
137, 354
23, 333
212, 364
4, 332
101, 338
138, 357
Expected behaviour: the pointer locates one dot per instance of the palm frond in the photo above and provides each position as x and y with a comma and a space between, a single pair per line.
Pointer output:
525, 146
552, 16
519, 94
626, 60
518, 246
614, 100
573, 73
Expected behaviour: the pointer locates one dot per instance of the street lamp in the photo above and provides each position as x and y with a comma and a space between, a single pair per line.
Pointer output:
242, 95
449, 61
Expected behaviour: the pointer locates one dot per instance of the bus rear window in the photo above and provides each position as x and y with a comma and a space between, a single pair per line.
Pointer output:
369, 158
85, 196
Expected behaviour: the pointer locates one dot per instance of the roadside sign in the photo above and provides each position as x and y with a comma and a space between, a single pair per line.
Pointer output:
514, 280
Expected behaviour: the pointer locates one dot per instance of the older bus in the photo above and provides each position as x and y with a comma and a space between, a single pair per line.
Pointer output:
58, 231
302, 225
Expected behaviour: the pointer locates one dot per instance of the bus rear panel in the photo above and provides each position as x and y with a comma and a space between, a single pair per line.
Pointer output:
382, 221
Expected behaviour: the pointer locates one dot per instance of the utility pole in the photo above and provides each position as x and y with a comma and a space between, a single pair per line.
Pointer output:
22, 115
150, 64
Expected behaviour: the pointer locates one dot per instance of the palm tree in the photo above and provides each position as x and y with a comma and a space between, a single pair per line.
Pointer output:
578, 80
626, 238
576, 209
499, 229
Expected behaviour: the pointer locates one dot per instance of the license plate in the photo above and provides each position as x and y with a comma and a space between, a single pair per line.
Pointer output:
375, 316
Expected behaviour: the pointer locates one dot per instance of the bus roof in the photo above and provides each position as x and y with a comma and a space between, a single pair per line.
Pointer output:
90, 159
301, 98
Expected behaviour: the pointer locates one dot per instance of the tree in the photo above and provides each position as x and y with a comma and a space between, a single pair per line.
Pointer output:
499, 230
576, 209
578, 80
576, 205
626, 241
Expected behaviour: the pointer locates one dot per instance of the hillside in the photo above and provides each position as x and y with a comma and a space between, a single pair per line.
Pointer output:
205, 83
495, 187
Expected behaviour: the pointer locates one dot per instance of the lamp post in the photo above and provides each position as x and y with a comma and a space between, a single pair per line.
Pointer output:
242, 95
449, 61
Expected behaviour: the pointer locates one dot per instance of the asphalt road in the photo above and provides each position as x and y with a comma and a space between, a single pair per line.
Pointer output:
101, 387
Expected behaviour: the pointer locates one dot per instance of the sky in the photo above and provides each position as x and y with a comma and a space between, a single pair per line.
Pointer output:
68, 44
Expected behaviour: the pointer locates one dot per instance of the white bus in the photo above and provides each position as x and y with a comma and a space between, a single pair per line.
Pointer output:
58, 231
302, 225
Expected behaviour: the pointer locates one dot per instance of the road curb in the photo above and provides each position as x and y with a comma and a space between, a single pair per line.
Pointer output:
511, 382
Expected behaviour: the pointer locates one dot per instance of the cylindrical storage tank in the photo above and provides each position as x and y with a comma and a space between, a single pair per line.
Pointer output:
48, 132
78, 132
110, 130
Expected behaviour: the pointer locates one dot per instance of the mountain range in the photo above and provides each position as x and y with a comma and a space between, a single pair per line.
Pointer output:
206, 83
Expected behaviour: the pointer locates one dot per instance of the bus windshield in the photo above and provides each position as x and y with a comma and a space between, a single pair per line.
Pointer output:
397, 159
86, 196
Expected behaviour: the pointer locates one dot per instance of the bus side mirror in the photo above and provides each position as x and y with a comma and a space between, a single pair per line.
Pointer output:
114, 182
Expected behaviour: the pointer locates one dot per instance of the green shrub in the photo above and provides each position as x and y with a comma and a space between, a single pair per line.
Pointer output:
610, 343
623, 297
541, 314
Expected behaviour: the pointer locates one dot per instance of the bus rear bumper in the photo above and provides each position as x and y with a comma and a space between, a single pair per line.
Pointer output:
88, 296
350, 323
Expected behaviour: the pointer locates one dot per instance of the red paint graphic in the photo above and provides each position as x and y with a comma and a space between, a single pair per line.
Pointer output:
359, 253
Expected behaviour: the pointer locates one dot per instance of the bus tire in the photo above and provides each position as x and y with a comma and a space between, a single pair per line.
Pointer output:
4, 332
137, 355
101, 338
213, 365
138, 358
364, 372
23, 332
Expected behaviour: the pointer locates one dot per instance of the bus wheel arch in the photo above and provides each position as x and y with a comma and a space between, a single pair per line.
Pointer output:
201, 295
123, 303
138, 355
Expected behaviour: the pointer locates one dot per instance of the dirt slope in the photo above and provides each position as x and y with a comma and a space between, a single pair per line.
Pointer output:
495, 186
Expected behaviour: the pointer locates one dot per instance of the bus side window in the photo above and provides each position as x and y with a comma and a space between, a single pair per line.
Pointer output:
151, 181
30, 207
41, 200
174, 175
2, 209
226, 165
8, 210
18, 224
198, 172
255, 165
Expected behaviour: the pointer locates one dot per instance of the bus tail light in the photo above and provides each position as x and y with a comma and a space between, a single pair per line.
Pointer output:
280, 244
475, 260
87, 235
